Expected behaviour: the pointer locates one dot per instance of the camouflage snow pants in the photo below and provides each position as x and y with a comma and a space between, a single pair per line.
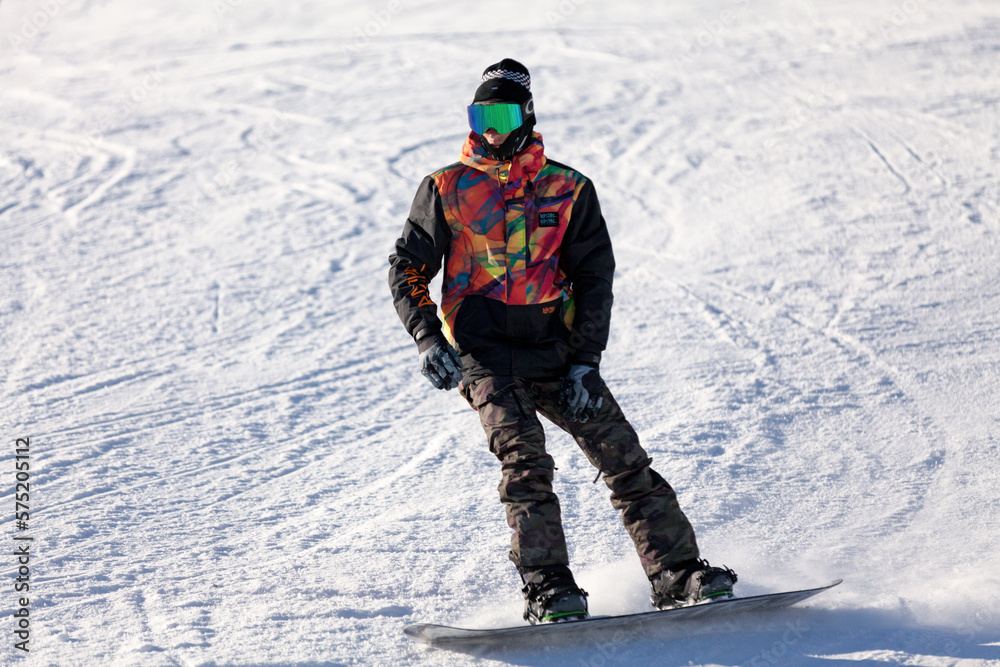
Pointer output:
508, 408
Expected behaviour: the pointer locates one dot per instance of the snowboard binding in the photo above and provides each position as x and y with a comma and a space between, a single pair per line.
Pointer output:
552, 596
691, 582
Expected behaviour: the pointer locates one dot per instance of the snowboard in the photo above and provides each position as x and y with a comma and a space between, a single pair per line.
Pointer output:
443, 635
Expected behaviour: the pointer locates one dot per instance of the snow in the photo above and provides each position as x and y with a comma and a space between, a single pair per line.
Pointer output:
234, 458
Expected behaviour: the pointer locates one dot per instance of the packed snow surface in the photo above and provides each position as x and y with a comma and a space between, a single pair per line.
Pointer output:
233, 457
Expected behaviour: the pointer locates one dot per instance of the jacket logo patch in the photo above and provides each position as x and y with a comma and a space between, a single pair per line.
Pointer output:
548, 310
548, 219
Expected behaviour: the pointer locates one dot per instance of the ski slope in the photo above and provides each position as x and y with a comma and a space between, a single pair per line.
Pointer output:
234, 458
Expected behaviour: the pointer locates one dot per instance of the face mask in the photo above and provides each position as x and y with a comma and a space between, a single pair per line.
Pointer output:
512, 145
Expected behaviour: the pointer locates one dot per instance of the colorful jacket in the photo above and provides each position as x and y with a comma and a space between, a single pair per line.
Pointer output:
528, 264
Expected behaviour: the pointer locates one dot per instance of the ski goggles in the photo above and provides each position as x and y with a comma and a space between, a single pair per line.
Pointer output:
503, 117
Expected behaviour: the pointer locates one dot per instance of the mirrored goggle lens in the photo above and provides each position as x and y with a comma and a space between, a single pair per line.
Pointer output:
501, 117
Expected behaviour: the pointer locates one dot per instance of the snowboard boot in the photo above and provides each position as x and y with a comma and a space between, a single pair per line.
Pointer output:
691, 582
552, 596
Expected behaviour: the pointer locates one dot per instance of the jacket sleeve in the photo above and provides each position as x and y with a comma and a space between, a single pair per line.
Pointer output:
589, 262
418, 256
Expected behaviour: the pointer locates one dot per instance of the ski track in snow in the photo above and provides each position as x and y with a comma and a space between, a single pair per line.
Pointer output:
235, 460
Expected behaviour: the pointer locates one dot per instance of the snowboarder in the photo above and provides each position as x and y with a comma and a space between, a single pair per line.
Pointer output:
526, 303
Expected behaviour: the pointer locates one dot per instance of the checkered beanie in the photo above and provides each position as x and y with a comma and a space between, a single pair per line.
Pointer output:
507, 80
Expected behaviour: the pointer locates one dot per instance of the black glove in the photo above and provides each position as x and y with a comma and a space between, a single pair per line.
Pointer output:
438, 361
580, 393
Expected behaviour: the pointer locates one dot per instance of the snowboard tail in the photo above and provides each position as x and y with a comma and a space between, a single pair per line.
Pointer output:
443, 635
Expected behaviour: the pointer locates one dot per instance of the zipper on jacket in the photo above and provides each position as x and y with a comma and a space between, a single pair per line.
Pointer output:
503, 174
